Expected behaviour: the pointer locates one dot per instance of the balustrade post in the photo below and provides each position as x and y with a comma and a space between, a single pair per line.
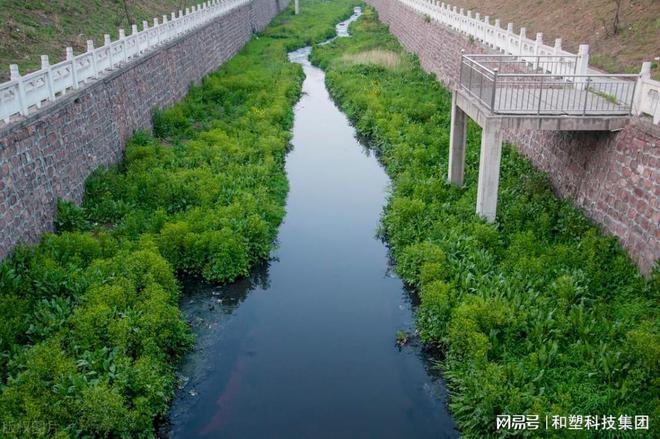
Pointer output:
559, 69
486, 26
122, 41
477, 27
92, 54
156, 31
509, 39
74, 73
166, 29
107, 43
521, 40
45, 65
583, 59
14, 75
144, 38
538, 42
136, 39
557, 48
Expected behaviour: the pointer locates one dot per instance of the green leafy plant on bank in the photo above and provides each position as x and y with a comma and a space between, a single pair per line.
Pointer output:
539, 313
91, 332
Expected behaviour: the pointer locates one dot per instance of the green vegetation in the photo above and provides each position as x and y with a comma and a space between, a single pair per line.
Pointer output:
537, 314
90, 330
402, 338
608, 97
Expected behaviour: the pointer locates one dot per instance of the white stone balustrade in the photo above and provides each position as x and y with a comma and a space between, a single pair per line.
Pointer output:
23, 93
647, 90
647, 96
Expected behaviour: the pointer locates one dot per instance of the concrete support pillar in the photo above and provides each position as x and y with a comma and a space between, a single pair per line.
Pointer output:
297, 7
457, 137
489, 170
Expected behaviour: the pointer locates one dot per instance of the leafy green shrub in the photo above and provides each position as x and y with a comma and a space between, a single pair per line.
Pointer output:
171, 123
435, 312
126, 315
70, 217
421, 263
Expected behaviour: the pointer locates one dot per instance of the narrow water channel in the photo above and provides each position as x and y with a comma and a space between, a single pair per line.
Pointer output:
305, 347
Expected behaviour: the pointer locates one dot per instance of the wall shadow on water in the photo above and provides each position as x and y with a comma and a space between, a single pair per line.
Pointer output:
207, 309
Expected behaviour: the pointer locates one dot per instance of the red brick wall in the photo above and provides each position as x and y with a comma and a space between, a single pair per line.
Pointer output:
49, 154
614, 177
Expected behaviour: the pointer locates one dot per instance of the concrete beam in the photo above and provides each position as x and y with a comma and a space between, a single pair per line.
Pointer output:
480, 114
565, 123
489, 169
457, 138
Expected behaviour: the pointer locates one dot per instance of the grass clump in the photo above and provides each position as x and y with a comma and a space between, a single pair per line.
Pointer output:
91, 331
384, 58
539, 313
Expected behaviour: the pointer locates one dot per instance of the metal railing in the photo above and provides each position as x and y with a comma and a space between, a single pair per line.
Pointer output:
544, 85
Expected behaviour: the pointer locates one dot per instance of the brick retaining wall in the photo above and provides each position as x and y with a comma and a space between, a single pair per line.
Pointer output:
614, 177
50, 153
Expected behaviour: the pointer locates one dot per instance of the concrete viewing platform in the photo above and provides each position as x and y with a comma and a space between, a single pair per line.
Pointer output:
501, 92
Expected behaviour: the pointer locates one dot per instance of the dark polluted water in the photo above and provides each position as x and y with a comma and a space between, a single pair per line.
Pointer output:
306, 346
